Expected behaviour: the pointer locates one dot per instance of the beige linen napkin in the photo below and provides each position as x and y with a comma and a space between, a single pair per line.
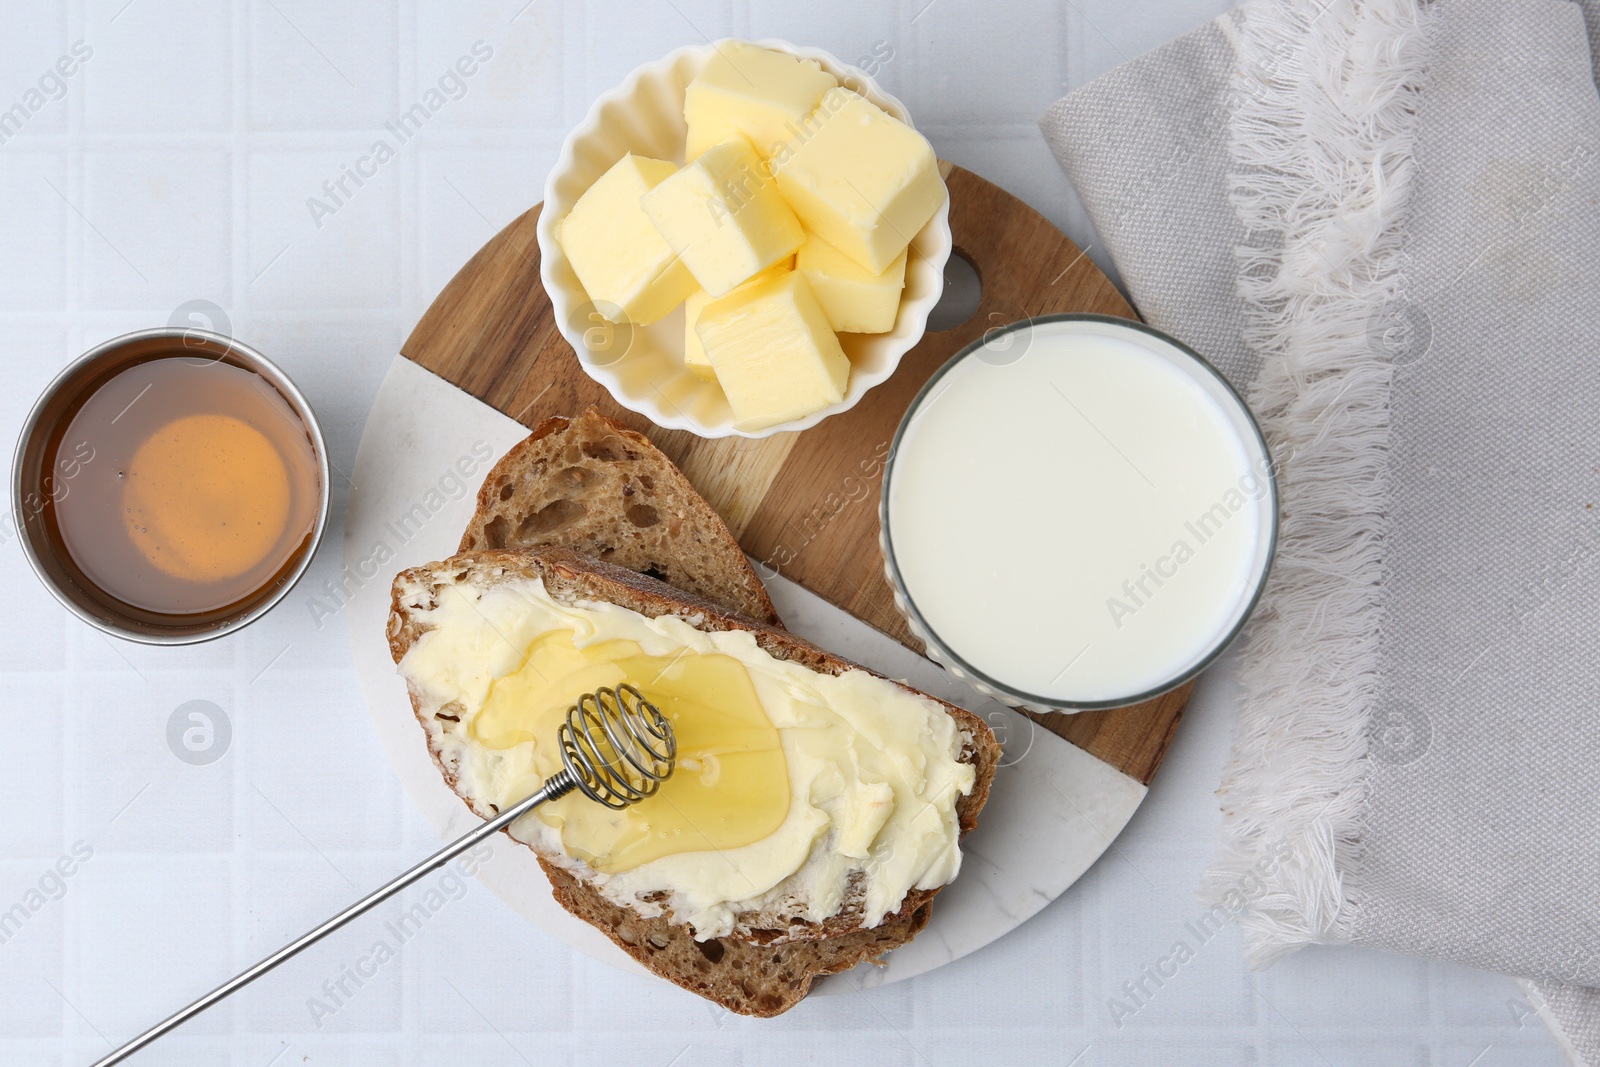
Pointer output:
1382, 221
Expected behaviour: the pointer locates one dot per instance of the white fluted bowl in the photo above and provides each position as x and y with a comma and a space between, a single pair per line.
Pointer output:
642, 367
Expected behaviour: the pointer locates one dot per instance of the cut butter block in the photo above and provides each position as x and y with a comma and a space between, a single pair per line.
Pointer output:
854, 298
724, 216
773, 351
745, 89
694, 353
861, 179
629, 271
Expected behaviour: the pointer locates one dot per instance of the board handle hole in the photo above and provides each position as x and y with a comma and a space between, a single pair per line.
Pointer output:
963, 292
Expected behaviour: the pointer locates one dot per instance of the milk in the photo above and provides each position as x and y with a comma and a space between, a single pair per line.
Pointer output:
1080, 511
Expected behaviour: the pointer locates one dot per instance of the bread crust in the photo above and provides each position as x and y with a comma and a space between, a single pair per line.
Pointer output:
667, 948
592, 485
745, 977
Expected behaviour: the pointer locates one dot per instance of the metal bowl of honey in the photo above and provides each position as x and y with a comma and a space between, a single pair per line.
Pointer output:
170, 486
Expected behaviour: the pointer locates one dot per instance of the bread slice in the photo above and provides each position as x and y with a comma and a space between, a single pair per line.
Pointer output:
595, 486
770, 961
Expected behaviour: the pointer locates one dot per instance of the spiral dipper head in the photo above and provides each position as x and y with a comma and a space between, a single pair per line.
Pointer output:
616, 746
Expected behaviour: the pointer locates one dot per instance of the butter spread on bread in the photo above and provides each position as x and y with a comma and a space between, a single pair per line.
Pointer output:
799, 793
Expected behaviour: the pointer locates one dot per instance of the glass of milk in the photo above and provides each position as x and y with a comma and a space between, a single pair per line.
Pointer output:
1078, 512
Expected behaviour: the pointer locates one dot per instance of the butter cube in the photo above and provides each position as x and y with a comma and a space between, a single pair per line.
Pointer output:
724, 216
694, 353
773, 351
860, 179
747, 90
871, 804
627, 268
854, 298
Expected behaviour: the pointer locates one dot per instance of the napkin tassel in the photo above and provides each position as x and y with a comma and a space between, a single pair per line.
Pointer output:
1322, 133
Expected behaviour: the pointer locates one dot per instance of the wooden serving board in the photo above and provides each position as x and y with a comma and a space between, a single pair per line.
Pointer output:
807, 503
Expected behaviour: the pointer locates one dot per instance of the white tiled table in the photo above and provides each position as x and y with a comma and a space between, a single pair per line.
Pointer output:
176, 166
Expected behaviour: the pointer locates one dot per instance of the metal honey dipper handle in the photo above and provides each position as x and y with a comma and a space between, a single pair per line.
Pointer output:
616, 749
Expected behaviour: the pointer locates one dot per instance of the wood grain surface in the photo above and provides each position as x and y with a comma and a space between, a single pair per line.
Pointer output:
806, 504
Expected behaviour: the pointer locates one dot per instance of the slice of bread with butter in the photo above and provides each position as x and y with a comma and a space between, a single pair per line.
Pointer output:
816, 809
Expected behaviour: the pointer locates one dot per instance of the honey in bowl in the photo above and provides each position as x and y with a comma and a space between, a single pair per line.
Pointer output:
195, 486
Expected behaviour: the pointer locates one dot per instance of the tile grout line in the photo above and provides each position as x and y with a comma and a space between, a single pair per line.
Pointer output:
408, 199
239, 164
408, 205
240, 855
76, 183
408, 209
72, 695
